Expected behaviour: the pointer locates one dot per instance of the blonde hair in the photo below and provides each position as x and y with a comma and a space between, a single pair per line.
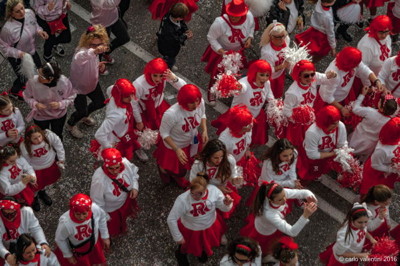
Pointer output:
93, 32
10, 7
198, 182
274, 27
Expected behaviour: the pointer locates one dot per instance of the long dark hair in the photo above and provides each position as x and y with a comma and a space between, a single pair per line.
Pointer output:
379, 193
224, 168
24, 241
28, 134
274, 152
265, 192
245, 246
352, 215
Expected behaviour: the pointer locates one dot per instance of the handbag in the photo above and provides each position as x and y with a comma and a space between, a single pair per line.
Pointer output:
57, 25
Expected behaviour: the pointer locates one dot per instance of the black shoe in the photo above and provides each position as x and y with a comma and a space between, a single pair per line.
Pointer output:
36, 204
203, 258
360, 24
181, 258
345, 35
46, 199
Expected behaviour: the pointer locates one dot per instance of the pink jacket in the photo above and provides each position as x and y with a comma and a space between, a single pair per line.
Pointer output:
37, 92
11, 32
40, 7
84, 73
104, 12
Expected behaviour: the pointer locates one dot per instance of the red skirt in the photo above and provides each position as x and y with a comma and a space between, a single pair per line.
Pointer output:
310, 170
152, 118
317, 41
236, 200
395, 20
204, 240
48, 176
260, 130
374, 3
266, 241
167, 159
26, 196
278, 86
159, 8
329, 259
372, 177
295, 133
96, 256
117, 223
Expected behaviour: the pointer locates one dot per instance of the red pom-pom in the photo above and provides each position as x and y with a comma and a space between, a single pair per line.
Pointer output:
349, 179
384, 253
303, 115
226, 86
251, 169
95, 149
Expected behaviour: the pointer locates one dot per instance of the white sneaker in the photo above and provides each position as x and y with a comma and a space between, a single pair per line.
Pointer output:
142, 156
224, 240
88, 121
212, 103
174, 68
75, 131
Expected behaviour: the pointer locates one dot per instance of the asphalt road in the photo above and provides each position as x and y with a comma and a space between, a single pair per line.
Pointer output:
148, 241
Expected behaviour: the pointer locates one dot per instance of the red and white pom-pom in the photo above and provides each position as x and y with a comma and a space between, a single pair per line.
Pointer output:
303, 115
343, 156
27, 68
231, 63
384, 252
275, 117
226, 86
147, 138
395, 165
251, 170
295, 54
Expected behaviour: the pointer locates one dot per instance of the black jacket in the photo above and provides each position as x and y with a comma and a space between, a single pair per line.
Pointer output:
282, 16
171, 37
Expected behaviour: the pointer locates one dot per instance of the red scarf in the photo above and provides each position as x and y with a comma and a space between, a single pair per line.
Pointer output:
326, 8
107, 172
384, 50
255, 86
16, 222
158, 88
278, 48
36, 259
304, 87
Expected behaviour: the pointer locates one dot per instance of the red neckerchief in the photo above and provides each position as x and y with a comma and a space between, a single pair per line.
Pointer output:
4, 116
272, 206
36, 259
240, 22
158, 88
326, 8
255, 86
107, 172
353, 227
384, 50
14, 224
237, 34
304, 87
73, 218
278, 48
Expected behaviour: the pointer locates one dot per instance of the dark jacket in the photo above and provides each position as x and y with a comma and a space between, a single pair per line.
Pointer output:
282, 16
171, 37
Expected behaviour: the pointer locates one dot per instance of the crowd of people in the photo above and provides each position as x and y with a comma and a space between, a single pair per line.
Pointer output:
355, 101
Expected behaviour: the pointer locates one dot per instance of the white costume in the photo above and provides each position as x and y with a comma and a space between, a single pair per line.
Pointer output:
11, 177
44, 155
254, 99
181, 125
220, 34
390, 76
15, 120
106, 194
317, 141
340, 87
237, 147
374, 222
29, 225
322, 21
226, 260
196, 215
286, 176
371, 52
366, 135
69, 231
44, 261
381, 158
212, 171
273, 217
273, 57
353, 244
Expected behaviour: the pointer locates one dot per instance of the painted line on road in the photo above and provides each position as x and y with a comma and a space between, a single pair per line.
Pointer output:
220, 107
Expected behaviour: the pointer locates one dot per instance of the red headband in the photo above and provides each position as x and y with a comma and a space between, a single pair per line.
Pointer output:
287, 242
359, 210
243, 247
271, 190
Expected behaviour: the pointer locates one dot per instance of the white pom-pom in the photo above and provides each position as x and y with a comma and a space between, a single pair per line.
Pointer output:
295, 54
27, 67
259, 7
147, 138
231, 63
344, 156
275, 115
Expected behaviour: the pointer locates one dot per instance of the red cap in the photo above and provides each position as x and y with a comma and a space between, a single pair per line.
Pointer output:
237, 8
299, 67
189, 93
327, 116
390, 132
348, 59
111, 157
258, 66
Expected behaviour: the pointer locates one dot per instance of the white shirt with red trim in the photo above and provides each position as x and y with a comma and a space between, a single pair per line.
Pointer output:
390, 76
181, 125
322, 20
44, 261
353, 243
220, 33
212, 171
274, 57
15, 120
371, 52
43, 155
273, 217
365, 136
196, 215
67, 230
254, 99
317, 141
237, 147
296, 96
340, 87
29, 225
381, 158
106, 194
286, 176
11, 177
144, 90
374, 222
